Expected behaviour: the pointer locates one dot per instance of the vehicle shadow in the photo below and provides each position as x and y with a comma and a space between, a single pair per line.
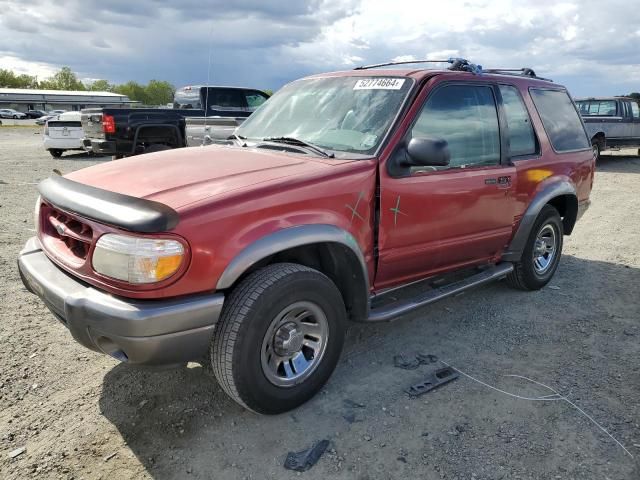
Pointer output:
180, 422
611, 162
84, 156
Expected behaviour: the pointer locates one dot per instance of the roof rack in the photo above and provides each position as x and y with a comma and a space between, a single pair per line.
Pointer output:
463, 65
522, 72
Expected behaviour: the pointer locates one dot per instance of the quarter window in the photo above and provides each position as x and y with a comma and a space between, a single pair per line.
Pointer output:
466, 117
635, 110
560, 119
522, 140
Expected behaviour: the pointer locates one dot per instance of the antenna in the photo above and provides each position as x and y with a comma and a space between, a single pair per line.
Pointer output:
206, 95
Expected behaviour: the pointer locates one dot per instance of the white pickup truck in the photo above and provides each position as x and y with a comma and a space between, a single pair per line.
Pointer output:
611, 122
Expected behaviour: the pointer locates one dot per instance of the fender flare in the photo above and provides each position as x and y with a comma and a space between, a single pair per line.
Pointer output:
155, 125
544, 196
285, 239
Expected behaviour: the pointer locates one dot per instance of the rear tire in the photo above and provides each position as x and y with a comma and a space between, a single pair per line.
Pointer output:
56, 153
596, 150
541, 253
279, 337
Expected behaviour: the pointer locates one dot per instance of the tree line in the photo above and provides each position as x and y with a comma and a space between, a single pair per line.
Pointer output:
156, 92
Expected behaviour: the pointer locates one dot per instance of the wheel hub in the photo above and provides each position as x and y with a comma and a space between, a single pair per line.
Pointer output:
287, 340
294, 344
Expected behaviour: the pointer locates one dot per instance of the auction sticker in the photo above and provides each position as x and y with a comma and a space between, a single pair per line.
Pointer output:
379, 83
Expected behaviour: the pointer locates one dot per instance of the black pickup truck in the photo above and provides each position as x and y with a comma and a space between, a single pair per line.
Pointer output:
130, 131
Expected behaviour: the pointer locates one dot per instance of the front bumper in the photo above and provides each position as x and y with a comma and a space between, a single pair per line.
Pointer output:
149, 332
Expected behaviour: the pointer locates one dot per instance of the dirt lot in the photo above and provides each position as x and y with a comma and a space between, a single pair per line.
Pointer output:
82, 415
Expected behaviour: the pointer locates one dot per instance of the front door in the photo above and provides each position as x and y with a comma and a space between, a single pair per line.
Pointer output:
434, 219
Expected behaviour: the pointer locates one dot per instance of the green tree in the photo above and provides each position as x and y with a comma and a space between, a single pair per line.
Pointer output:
9, 79
65, 79
100, 86
635, 95
133, 90
159, 92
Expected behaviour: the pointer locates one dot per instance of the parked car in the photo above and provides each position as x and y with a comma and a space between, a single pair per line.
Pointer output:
350, 196
62, 133
611, 122
35, 113
11, 113
45, 118
129, 131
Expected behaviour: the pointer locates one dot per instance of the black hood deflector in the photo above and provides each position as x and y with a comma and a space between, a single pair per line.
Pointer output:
122, 211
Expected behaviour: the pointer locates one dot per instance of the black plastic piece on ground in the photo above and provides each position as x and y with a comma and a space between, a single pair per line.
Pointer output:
434, 380
304, 460
400, 361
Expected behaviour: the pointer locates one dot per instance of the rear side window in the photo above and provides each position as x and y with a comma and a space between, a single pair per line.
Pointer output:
597, 108
635, 110
466, 117
226, 99
560, 119
522, 140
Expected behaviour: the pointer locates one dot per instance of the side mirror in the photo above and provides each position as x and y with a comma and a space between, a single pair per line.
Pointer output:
426, 151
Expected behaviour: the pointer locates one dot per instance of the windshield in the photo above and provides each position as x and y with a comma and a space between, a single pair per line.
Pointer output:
347, 114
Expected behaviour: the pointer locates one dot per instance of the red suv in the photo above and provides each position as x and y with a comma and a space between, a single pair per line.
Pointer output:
251, 257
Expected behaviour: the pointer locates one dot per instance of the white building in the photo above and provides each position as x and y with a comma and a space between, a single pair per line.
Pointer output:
23, 99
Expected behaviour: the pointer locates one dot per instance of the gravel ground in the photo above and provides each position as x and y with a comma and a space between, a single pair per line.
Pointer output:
82, 415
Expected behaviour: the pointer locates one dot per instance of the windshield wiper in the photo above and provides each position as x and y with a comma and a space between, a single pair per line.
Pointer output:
300, 143
240, 139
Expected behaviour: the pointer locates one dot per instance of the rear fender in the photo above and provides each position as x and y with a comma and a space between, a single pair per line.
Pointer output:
545, 195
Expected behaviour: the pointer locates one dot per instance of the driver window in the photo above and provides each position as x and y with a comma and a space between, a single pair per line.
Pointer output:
466, 117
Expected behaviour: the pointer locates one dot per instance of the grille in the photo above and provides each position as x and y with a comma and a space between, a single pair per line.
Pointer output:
70, 236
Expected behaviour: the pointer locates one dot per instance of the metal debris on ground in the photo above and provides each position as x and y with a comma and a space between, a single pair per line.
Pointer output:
17, 451
400, 361
434, 380
305, 459
351, 404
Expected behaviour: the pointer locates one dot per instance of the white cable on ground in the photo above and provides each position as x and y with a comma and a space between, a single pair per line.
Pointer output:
551, 398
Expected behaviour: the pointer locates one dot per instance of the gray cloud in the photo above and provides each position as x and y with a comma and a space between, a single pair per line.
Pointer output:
265, 43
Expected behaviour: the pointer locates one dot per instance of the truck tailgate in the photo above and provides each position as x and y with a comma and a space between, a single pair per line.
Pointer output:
92, 123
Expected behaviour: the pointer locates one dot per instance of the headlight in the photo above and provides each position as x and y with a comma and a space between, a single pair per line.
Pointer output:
137, 260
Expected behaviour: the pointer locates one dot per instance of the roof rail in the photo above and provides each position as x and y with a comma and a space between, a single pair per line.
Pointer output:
407, 62
462, 65
522, 72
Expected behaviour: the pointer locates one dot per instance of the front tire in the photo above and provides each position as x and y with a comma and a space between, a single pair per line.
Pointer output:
541, 253
279, 337
56, 153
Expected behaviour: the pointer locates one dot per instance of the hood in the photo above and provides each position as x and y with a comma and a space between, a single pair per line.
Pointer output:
186, 175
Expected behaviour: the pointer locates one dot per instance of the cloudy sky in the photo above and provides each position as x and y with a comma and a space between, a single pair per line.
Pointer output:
591, 46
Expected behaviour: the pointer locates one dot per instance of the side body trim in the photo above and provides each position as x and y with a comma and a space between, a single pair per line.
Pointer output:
288, 238
555, 189
124, 211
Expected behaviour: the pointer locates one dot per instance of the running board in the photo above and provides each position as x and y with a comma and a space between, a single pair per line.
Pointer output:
390, 311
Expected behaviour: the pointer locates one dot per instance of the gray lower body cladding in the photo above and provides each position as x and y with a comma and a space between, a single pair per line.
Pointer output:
149, 332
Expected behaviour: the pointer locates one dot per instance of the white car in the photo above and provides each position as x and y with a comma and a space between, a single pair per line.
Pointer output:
62, 133
11, 113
